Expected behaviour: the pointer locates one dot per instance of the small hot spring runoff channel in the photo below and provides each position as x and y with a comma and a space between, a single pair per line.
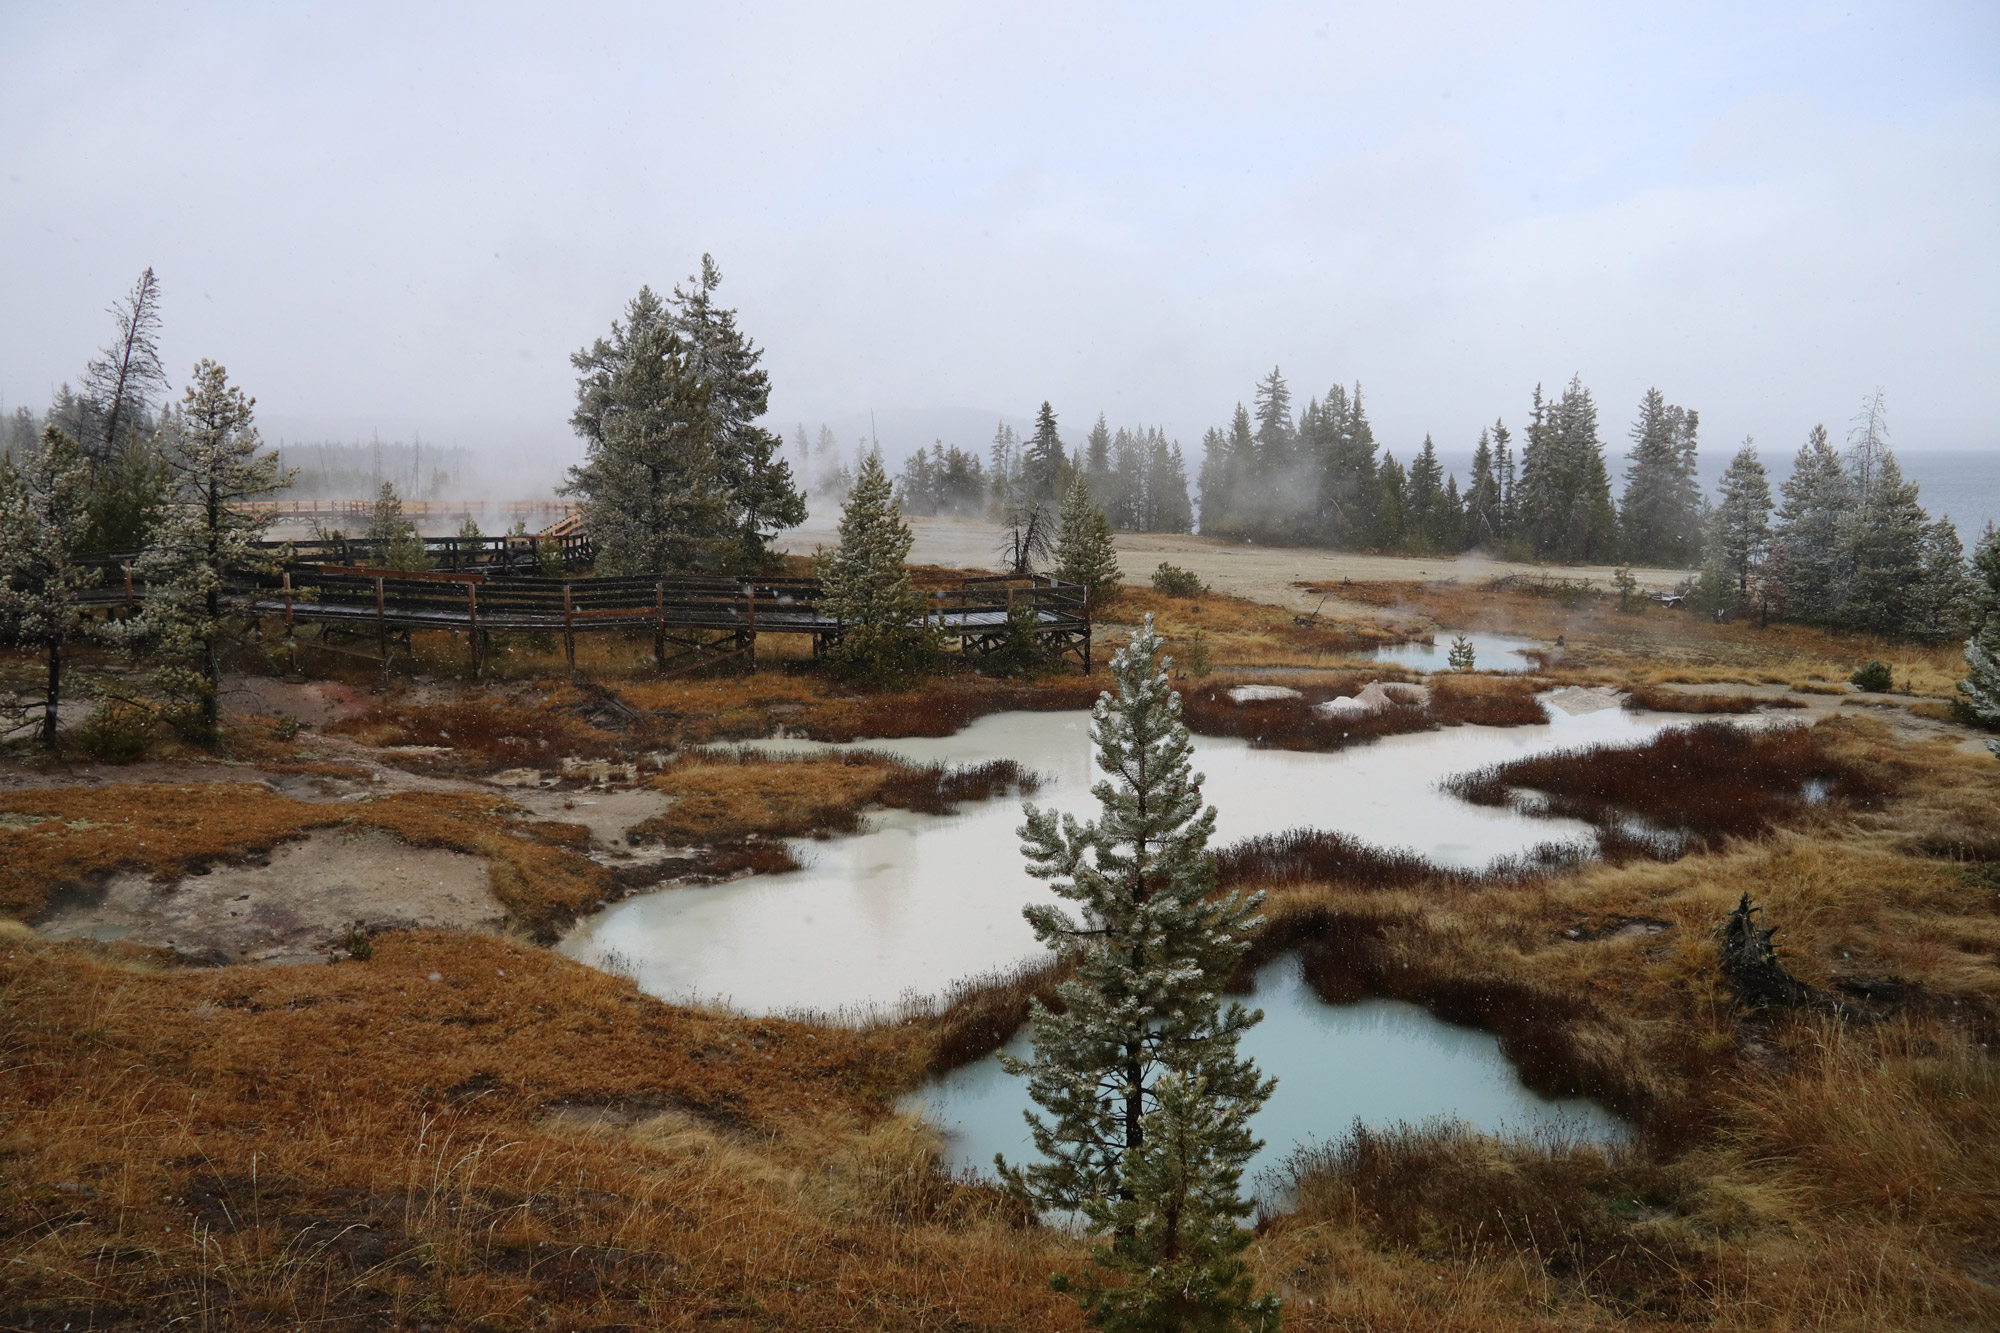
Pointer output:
918, 902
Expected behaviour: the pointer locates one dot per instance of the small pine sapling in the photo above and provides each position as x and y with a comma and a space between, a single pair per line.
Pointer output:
1085, 553
884, 637
1628, 589
1145, 1099
1874, 677
399, 545
1461, 657
1173, 581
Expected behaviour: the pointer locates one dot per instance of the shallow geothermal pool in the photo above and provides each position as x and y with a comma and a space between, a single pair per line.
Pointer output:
1491, 652
1378, 1061
917, 902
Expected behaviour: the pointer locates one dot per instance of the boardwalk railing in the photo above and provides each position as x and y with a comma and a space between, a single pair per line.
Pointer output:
692, 620
364, 510
564, 546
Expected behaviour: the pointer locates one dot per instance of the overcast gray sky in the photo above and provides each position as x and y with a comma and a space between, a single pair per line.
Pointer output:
401, 218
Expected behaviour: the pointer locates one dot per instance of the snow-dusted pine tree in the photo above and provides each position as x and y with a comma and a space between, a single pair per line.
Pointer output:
1739, 530
402, 547
1981, 686
1084, 551
1811, 555
867, 588
763, 496
215, 458
1153, 945
1661, 517
653, 486
44, 513
1174, 1235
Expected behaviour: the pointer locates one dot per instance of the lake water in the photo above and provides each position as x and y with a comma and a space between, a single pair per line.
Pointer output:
1491, 652
917, 902
1378, 1061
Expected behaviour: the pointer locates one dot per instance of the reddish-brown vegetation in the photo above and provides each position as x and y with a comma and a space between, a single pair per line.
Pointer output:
486, 732
1659, 700
1321, 856
1711, 781
1298, 724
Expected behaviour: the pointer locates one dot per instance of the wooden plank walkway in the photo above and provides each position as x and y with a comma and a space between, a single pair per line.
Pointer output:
692, 620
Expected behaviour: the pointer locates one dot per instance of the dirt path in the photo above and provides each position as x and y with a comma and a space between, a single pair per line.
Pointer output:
1261, 573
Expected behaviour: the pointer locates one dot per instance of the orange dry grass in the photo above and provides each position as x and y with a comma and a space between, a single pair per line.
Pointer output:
1853, 1190
1240, 632
719, 799
64, 837
363, 1147
1791, 1173
1658, 645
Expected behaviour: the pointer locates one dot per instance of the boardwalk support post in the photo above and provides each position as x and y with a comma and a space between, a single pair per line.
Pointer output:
660, 625
381, 626
569, 632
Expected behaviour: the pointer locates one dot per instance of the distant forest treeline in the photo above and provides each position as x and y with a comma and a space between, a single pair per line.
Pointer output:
1847, 544
417, 470
1136, 475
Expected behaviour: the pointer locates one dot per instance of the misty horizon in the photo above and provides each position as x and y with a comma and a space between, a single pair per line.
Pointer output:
1766, 216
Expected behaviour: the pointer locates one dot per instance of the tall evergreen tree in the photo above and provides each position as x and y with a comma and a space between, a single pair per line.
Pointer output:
1566, 511
1097, 458
1168, 507
1144, 1098
1429, 523
1084, 550
1228, 479
44, 516
866, 588
750, 462
1661, 516
189, 618
1885, 543
1124, 493
1043, 459
1391, 505
119, 386
1507, 479
1739, 529
1348, 499
1809, 549
1270, 501
1945, 593
654, 488
1981, 686
1482, 497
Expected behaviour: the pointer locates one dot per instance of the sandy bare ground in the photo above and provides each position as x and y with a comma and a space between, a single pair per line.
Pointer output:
297, 908
1261, 573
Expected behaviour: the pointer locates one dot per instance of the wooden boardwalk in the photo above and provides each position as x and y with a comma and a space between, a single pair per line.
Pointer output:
692, 620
